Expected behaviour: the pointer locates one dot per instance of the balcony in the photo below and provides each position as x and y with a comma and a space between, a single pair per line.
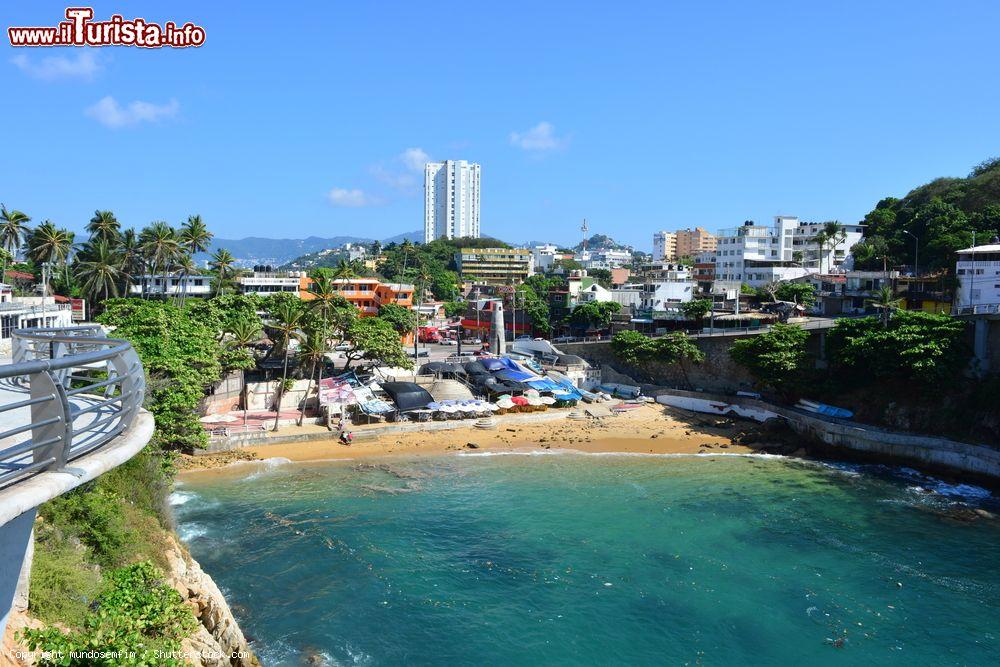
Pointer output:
70, 410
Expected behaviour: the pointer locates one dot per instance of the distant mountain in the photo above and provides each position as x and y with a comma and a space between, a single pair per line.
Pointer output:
260, 250
416, 236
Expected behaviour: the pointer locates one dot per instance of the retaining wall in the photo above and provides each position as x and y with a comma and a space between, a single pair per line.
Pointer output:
840, 435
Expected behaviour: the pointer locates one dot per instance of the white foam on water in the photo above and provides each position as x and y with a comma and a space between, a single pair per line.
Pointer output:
577, 452
178, 498
191, 531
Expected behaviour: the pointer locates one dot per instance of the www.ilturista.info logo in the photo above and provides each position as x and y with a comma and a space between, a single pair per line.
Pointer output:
80, 30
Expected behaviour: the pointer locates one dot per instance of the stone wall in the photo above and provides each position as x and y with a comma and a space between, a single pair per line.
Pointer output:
717, 373
842, 436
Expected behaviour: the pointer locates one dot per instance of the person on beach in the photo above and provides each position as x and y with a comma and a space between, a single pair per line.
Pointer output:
346, 438
341, 424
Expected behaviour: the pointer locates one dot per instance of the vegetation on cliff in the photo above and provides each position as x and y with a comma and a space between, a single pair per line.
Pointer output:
942, 215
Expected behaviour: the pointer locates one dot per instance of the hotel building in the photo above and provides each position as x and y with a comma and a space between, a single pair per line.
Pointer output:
451, 200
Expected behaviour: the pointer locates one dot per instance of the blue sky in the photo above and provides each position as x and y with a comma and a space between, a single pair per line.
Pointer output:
642, 116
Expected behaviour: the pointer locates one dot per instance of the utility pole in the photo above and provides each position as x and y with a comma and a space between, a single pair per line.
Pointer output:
916, 252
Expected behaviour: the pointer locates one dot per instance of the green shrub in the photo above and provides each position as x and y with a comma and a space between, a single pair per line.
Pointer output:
138, 618
63, 584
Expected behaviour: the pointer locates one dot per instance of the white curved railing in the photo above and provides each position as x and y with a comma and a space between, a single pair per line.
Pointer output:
69, 392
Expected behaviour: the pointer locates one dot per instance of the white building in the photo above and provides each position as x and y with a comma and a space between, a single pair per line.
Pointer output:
664, 246
451, 200
756, 255
978, 272
660, 297
28, 312
543, 257
192, 285
604, 259
266, 281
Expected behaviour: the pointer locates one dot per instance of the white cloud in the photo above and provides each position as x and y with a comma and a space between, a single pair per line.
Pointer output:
540, 138
110, 113
83, 66
404, 170
352, 198
414, 159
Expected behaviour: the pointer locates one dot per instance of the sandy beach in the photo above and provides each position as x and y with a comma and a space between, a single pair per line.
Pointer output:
650, 429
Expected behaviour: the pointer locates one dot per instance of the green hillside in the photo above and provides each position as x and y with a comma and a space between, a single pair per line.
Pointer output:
943, 214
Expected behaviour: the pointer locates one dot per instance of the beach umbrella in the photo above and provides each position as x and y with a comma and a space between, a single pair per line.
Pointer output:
531, 393
218, 419
519, 400
506, 403
547, 400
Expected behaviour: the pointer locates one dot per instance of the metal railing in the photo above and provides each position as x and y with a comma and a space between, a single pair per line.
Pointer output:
69, 392
979, 309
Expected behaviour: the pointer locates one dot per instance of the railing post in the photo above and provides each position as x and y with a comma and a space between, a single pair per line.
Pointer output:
60, 431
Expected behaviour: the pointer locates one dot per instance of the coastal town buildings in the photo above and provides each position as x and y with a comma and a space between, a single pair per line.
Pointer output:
451, 200
368, 294
159, 285
604, 258
28, 312
756, 255
265, 280
691, 242
494, 266
978, 273
664, 246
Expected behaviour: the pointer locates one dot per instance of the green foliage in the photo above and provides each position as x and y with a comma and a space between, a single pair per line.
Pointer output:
776, 358
374, 339
602, 276
636, 349
536, 307
63, 583
913, 345
181, 355
801, 293
97, 518
454, 308
137, 615
942, 214
594, 314
402, 319
696, 309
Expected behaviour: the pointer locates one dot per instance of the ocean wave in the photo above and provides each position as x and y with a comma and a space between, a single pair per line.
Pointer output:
263, 466
919, 483
658, 455
191, 531
178, 498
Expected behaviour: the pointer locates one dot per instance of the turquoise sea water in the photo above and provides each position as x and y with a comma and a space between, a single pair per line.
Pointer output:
589, 559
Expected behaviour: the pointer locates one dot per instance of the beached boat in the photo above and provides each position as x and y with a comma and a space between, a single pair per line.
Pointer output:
824, 409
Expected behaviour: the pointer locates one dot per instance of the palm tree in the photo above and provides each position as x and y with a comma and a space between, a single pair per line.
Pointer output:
13, 228
325, 298
222, 262
344, 271
160, 247
194, 235
312, 351
48, 245
185, 266
832, 235
885, 301
103, 226
98, 270
288, 317
243, 333
132, 263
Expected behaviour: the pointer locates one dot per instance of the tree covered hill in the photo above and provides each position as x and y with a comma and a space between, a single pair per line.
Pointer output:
942, 214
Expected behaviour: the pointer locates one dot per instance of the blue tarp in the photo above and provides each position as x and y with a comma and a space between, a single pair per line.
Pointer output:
493, 364
543, 384
516, 376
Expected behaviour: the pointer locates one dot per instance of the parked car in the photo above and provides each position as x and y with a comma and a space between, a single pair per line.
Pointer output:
449, 341
343, 347
564, 339
523, 337
422, 352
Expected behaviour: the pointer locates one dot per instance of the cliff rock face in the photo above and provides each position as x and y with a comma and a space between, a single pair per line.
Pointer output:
219, 641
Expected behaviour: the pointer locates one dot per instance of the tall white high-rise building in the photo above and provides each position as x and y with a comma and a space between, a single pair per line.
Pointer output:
451, 200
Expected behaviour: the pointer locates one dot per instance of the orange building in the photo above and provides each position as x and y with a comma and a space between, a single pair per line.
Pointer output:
367, 294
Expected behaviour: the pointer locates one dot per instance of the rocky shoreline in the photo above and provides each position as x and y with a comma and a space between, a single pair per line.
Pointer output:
219, 641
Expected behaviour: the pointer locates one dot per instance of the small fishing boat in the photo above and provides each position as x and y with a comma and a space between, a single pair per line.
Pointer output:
824, 409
